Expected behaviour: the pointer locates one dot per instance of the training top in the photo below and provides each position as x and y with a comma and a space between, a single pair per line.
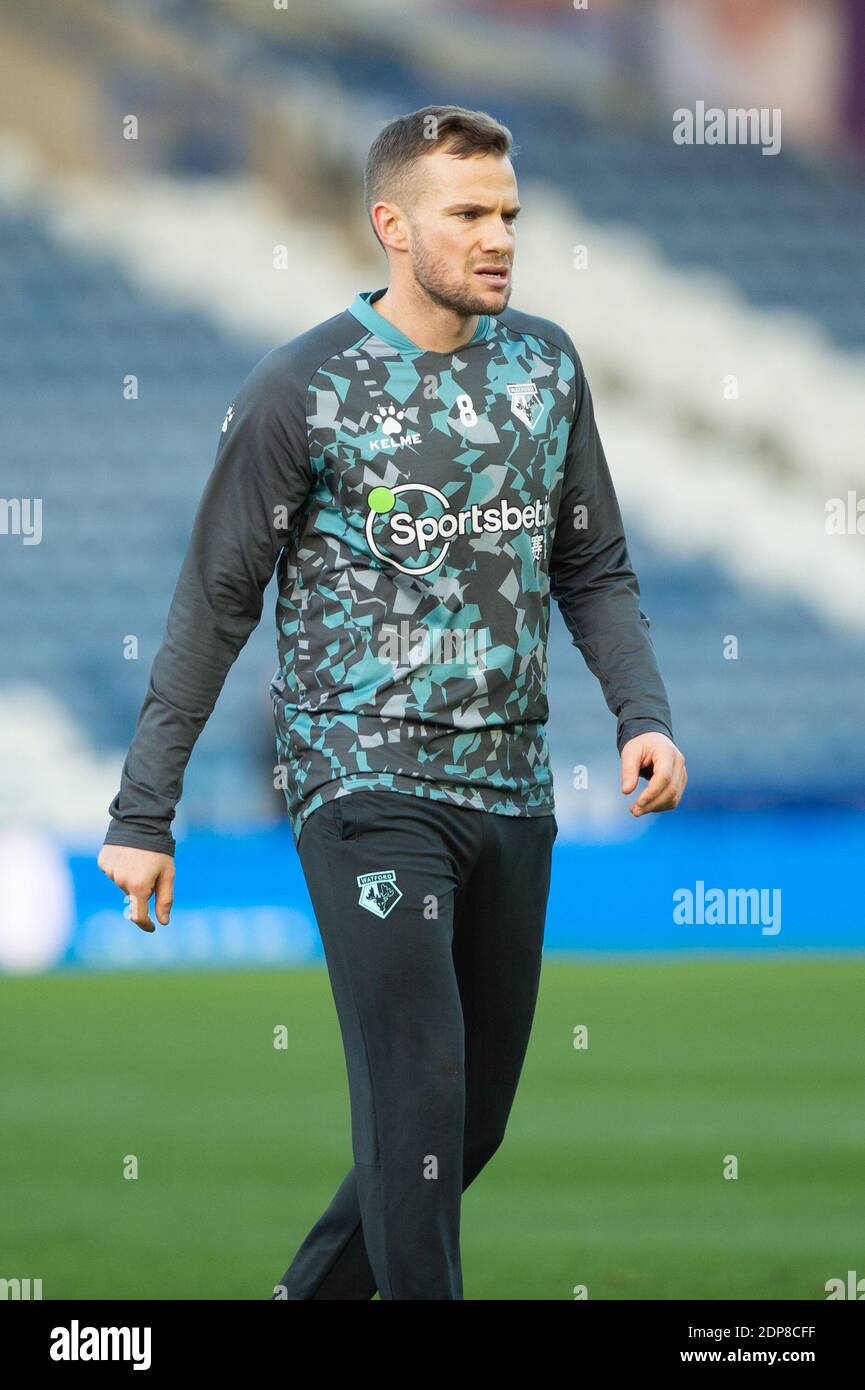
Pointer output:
419, 508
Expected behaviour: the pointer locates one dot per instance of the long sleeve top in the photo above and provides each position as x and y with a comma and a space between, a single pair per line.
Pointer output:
419, 509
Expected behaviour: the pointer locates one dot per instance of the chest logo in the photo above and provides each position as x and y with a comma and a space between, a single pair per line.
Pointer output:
429, 531
526, 403
394, 434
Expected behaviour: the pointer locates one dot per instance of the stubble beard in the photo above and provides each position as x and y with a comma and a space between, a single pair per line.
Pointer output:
432, 274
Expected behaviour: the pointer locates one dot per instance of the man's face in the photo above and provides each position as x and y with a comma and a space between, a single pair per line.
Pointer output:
461, 225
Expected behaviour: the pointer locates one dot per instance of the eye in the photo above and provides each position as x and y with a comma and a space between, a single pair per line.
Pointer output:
469, 213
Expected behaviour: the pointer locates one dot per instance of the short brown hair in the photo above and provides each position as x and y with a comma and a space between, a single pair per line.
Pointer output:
396, 149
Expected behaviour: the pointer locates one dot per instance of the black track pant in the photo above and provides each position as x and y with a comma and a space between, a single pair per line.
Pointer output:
432, 921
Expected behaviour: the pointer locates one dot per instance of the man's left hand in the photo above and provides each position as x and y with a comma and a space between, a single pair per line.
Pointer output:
666, 786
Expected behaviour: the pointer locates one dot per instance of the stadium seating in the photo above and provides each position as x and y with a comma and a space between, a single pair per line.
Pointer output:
121, 478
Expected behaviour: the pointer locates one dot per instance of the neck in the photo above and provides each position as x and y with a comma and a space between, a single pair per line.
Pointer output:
432, 326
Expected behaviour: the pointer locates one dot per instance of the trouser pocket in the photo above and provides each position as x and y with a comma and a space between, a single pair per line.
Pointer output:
338, 823
363, 810
346, 816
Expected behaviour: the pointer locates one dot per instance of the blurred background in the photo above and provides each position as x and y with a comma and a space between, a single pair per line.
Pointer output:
180, 191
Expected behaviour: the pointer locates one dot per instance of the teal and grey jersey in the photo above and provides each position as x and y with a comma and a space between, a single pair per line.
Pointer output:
419, 508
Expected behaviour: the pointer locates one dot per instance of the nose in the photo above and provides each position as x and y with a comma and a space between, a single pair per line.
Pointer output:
498, 241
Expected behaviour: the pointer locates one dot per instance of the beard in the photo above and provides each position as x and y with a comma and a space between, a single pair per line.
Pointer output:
441, 286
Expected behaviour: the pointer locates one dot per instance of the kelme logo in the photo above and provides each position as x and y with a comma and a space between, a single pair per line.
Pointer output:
393, 432
431, 534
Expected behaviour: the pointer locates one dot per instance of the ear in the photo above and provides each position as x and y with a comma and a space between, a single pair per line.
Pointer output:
390, 225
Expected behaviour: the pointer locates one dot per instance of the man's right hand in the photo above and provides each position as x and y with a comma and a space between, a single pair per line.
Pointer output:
139, 872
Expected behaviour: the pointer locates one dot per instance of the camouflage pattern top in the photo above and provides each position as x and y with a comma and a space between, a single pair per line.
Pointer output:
419, 508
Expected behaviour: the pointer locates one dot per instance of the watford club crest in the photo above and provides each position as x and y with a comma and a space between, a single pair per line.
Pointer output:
378, 892
526, 404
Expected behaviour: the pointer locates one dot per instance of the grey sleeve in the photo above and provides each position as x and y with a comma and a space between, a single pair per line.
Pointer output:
595, 587
258, 483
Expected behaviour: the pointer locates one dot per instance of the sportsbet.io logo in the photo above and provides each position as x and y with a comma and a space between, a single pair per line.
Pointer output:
431, 534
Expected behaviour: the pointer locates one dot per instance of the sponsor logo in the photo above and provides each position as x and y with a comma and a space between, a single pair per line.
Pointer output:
229, 416
526, 404
392, 435
378, 892
431, 534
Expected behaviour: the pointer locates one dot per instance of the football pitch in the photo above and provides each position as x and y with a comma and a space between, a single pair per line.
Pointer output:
611, 1176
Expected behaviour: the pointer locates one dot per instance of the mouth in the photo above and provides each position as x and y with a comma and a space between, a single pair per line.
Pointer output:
494, 275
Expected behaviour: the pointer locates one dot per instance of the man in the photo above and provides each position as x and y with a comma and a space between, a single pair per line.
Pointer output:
424, 470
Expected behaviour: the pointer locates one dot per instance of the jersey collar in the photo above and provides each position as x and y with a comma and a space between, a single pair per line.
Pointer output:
363, 311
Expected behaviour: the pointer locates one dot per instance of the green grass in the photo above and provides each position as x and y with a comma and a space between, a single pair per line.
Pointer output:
610, 1174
